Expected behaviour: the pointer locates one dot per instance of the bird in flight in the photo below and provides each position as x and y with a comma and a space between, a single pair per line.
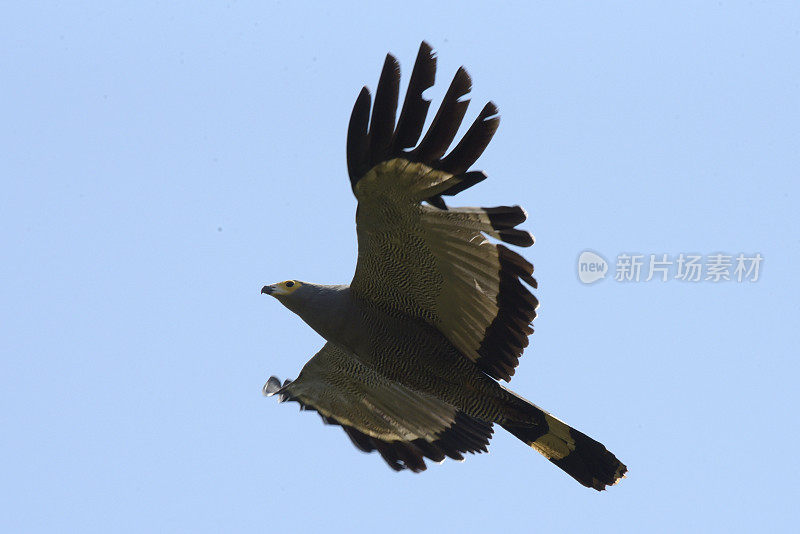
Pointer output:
439, 309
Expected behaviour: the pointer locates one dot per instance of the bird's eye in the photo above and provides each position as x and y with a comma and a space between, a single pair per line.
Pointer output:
289, 284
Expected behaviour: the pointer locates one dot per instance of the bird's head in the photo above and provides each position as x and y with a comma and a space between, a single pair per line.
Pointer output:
284, 290
321, 306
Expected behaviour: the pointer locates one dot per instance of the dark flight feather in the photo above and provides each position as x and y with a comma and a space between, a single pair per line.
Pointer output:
474, 142
375, 140
415, 107
358, 138
381, 127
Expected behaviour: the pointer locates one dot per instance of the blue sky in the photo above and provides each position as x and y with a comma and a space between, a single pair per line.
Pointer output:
162, 161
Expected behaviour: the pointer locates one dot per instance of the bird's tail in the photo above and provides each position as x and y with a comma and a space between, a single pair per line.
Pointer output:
581, 457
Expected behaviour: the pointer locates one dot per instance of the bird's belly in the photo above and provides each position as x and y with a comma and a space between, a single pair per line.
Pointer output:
419, 356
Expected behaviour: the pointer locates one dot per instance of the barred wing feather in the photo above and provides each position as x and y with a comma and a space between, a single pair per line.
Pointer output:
403, 425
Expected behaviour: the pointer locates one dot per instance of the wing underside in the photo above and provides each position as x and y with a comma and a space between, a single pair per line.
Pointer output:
403, 425
420, 257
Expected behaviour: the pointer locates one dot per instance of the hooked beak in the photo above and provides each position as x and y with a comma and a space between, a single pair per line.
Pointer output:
268, 290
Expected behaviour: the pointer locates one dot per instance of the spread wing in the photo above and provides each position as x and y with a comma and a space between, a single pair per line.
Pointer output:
403, 425
428, 260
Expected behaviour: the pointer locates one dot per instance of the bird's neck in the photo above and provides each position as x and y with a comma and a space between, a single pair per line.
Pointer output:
328, 313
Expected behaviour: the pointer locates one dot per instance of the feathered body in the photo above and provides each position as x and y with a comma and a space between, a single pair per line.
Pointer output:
402, 349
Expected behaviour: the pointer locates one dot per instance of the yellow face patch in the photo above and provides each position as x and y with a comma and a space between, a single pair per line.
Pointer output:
287, 287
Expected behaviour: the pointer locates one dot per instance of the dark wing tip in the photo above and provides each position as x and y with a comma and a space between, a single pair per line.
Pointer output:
446, 122
520, 238
507, 336
382, 124
504, 217
465, 181
415, 107
465, 434
358, 137
474, 142
371, 141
